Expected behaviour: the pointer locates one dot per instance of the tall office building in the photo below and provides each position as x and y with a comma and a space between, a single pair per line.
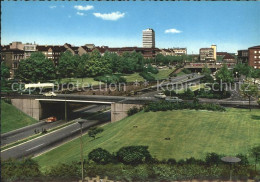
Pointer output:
214, 47
149, 38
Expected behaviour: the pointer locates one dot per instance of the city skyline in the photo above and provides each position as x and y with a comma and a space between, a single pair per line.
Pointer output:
229, 25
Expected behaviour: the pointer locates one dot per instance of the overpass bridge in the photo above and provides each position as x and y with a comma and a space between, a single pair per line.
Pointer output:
40, 107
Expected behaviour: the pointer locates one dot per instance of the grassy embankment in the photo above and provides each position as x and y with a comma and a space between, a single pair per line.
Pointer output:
193, 134
12, 118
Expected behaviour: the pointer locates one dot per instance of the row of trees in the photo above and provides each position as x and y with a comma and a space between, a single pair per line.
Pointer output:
39, 68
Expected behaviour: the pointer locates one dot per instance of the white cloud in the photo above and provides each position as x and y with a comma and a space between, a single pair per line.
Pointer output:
173, 30
52, 7
110, 16
80, 14
83, 8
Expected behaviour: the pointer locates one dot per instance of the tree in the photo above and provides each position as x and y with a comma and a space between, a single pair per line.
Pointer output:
67, 65
242, 69
100, 156
36, 68
255, 152
93, 131
224, 76
255, 74
5, 73
249, 90
207, 75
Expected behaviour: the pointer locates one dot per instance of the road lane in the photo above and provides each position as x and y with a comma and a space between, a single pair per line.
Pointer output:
29, 131
46, 142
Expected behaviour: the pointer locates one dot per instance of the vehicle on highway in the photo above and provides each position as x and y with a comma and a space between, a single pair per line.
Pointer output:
160, 95
50, 94
51, 119
173, 99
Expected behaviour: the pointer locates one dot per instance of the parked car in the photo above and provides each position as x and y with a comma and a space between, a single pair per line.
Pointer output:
160, 95
173, 99
51, 119
50, 94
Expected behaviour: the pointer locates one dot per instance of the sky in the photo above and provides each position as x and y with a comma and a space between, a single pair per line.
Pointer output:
194, 25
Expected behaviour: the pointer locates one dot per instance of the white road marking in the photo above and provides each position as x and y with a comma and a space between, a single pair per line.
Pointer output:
35, 147
74, 130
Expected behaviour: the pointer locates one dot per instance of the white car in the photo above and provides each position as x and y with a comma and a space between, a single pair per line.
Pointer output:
50, 94
160, 95
173, 99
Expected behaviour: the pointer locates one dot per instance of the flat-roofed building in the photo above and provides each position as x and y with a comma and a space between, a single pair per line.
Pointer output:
207, 54
29, 49
148, 38
242, 56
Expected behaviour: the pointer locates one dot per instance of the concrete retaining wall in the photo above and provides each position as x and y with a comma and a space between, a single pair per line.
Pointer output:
30, 107
119, 110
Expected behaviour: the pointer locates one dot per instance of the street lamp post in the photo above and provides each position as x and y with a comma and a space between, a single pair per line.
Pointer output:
66, 115
81, 151
230, 160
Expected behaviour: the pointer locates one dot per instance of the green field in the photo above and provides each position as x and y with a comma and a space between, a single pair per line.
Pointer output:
12, 118
133, 77
192, 133
80, 81
163, 74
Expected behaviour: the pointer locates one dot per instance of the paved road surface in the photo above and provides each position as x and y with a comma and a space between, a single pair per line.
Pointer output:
48, 141
29, 131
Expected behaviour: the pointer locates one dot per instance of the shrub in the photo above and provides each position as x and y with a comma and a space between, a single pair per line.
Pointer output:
133, 155
69, 170
186, 71
19, 170
133, 111
93, 131
147, 76
213, 159
100, 156
164, 106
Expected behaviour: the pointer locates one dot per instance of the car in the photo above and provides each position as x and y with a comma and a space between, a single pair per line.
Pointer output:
51, 119
173, 99
50, 94
160, 95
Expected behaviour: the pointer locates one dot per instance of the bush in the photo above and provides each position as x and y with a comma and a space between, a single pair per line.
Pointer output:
133, 155
133, 111
213, 159
93, 131
100, 156
65, 171
151, 69
147, 76
19, 170
186, 71
165, 106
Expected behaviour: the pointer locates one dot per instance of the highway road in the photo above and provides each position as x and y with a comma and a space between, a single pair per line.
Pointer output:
46, 142
30, 130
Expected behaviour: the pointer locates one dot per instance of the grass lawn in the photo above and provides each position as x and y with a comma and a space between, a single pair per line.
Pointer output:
193, 88
163, 74
192, 133
133, 77
12, 118
86, 81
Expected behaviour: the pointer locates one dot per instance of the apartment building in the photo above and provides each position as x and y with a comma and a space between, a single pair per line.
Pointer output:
242, 56
148, 38
254, 56
207, 54
29, 49
52, 52
11, 55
